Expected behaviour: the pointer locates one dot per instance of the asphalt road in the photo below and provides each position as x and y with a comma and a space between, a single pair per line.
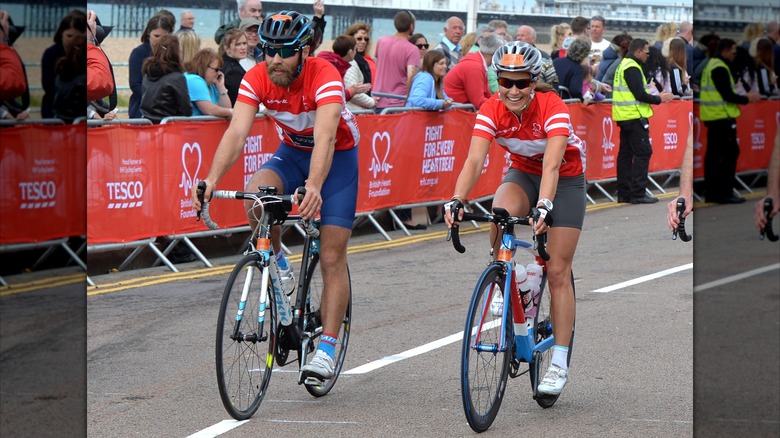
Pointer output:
150, 341
151, 368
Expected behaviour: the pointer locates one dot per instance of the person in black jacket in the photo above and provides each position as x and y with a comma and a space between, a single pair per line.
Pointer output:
569, 69
165, 91
233, 50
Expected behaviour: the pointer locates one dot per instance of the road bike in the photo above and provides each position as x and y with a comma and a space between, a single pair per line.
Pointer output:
497, 344
258, 323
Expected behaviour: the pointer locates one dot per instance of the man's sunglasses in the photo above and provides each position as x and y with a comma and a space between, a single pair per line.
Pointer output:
284, 52
422, 46
519, 83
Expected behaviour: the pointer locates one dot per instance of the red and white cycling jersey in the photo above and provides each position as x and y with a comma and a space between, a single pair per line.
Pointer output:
546, 116
293, 108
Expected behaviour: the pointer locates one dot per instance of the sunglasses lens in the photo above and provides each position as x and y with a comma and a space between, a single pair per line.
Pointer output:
519, 83
284, 52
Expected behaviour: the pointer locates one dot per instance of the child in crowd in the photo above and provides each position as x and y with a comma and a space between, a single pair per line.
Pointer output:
588, 93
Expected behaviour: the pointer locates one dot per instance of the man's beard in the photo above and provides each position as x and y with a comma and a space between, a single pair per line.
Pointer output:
284, 80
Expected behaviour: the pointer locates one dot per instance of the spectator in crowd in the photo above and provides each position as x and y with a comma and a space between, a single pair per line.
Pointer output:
421, 42
355, 82
100, 78
631, 110
397, 61
164, 86
187, 22
157, 27
568, 68
686, 33
558, 33
427, 90
750, 32
253, 50
663, 32
773, 32
527, 34
467, 43
233, 50
206, 85
450, 44
766, 79
467, 81
72, 25
70, 82
246, 9
598, 44
579, 27
13, 80
481, 33
743, 68
617, 49
657, 72
589, 94
189, 42
679, 80
361, 31
719, 111
501, 28
342, 55
169, 15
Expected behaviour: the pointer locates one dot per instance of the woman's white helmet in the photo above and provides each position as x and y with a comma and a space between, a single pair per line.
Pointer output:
518, 56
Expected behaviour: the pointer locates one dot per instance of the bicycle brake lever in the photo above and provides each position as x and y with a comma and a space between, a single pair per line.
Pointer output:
681, 226
201, 192
767, 230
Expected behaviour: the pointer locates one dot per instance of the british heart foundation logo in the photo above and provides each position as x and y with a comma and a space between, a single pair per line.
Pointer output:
380, 145
191, 158
606, 140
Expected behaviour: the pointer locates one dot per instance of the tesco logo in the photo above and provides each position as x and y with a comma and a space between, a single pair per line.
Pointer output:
38, 194
130, 192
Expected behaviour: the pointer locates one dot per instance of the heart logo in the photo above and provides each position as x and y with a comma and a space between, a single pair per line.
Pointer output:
380, 143
606, 129
190, 154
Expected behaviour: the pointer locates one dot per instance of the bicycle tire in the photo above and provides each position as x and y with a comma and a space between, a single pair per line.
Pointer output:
243, 371
311, 322
543, 330
484, 373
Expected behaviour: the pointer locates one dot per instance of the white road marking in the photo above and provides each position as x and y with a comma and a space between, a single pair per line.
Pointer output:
218, 429
643, 279
737, 277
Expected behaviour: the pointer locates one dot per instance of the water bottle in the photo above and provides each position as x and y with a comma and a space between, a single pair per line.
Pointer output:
534, 272
523, 286
283, 306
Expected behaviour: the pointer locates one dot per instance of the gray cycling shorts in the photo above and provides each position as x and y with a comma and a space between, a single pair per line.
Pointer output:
569, 202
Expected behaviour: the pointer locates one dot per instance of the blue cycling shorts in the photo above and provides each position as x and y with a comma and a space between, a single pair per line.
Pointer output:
339, 193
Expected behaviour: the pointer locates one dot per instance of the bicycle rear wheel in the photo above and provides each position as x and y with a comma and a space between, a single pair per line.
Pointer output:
484, 368
245, 344
543, 330
312, 324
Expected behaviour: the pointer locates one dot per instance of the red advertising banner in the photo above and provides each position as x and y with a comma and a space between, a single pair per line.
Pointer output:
123, 181
668, 133
756, 128
41, 176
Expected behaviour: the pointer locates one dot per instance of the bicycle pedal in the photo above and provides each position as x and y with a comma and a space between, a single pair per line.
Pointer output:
313, 381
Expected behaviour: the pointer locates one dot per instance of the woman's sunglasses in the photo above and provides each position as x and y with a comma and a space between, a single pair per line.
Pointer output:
519, 83
362, 39
422, 46
284, 52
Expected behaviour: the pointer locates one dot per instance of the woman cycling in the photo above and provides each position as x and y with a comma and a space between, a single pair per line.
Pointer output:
531, 122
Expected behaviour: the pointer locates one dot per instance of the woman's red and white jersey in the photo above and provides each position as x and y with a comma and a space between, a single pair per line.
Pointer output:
293, 108
546, 116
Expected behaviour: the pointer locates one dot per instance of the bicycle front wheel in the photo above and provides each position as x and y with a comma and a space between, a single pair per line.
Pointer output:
544, 329
245, 340
312, 324
484, 365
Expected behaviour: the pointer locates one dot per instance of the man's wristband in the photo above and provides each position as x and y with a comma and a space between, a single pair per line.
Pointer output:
223, 93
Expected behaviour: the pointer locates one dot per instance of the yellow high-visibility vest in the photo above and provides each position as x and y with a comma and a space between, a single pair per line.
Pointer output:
711, 103
624, 103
